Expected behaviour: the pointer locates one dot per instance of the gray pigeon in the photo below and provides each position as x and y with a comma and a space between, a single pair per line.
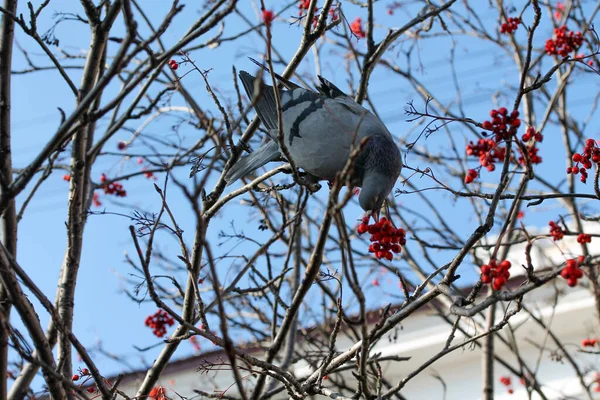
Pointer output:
319, 130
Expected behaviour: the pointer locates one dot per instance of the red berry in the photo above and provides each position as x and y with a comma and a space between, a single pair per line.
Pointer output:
75, 377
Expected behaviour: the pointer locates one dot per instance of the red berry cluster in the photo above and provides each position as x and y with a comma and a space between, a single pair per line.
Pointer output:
571, 272
564, 42
556, 231
158, 393
96, 200
511, 25
158, 322
532, 152
148, 174
560, 9
584, 238
303, 5
194, 342
83, 373
268, 16
112, 188
506, 381
357, 28
173, 65
591, 153
488, 152
502, 124
530, 133
386, 239
589, 342
67, 177
334, 13
596, 382
496, 274
471, 175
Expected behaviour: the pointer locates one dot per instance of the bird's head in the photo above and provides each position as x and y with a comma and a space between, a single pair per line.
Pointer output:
375, 188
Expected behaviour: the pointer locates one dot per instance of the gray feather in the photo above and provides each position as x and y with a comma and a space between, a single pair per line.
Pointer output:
252, 161
265, 105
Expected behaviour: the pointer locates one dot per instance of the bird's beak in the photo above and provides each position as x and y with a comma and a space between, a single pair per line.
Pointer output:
374, 214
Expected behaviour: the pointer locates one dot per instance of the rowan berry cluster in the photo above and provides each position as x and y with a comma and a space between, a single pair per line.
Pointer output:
173, 65
583, 238
571, 272
302, 6
84, 372
384, 237
591, 153
194, 342
112, 188
556, 231
96, 200
588, 342
560, 9
357, 28
158, 322
564, 42
506, 381
532, 152
502, 124
472, 174
496, 274
596, 382
530, 133
511, 25
268, 16
488, 152
158, 393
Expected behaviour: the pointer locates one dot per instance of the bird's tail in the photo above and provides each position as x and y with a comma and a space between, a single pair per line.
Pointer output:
265, 105
252, 161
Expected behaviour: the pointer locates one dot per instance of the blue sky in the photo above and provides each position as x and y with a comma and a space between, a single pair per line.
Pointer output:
103, 313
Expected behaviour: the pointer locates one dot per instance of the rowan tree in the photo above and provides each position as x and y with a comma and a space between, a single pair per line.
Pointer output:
493, 105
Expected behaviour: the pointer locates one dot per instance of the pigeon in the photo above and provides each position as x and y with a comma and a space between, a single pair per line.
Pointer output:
320, 129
